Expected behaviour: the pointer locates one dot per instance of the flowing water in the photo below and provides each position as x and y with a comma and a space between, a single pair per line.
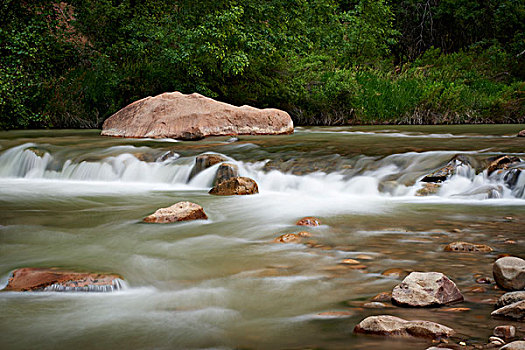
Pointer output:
75, 200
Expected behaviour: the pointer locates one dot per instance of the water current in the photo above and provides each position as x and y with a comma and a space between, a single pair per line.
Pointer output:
75, 200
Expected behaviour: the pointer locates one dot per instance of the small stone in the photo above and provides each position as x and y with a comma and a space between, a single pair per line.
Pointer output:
514, 311
395, 273
382, 297
364, 257
510, 241
420, 289
466, 247
509, 273
350, 262
288, 238
496, 341
484, 280
235, 187
374, 305
181, 211
309, 221
387, 325
510, 298
505, 332
428, 189
515, 345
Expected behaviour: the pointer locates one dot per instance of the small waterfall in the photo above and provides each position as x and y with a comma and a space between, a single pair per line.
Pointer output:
391, 176
117, 284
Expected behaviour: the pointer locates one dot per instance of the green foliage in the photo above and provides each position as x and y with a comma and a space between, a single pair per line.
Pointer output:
74, 63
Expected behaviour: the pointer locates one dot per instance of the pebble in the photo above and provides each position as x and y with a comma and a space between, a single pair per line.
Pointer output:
505, 332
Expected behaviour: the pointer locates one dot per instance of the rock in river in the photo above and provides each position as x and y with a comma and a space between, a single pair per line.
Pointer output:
181, 211
509, 273
448, 170
521, 133
37, 279
510, 298
235, 186
505, 332
191, 117
420, 289
515, 311
204, 161
467, 247
515, 345
225, 172
503, 162
397, 327
308, 221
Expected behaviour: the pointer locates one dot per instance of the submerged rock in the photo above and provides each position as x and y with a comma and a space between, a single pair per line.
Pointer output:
448, 170
515, 311
191, 117
292, 237
308, 221
420, 289
204, 161
467, 247
509, 273
38, 279
510, 298
181, 211
235, 186
392, 326
395, 273
225, 172
382, 297
428, 189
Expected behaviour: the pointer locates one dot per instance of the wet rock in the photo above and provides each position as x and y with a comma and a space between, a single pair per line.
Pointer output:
510, 298
225, 172
375, 305
509, 273
169, 155
420, 289
496, 341
350, 262
38, 279
395, 273
428, 189
505, 332
192, 117
484, 280
502, 163
181, 211
386, 325
204, 161
514, 311
308, 221
515, 345
364, 257
448, 170
382, 297
235, 186
467, 247
521, 133
292, 237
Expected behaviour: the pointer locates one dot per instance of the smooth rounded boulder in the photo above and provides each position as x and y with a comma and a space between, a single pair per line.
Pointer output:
509, 273
191, 117
55, 280
515, 345
423, 289
236, 186
181, 211
392, 326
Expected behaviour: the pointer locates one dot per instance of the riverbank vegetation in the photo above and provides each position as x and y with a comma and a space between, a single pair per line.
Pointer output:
72, 64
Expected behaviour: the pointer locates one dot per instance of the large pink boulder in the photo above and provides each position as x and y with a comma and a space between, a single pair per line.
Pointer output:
189, 117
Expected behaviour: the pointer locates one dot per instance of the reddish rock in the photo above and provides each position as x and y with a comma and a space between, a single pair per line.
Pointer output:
292, 237
309, 221
190, 117
382, 297
509, 273
502, 163
420, 289
521, 133
235, 187
386, 325
181, 211
350, 262
428, 189
395, 273
465, 247
38, 279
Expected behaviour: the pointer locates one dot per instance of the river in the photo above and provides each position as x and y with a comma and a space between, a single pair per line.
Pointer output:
75, 200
